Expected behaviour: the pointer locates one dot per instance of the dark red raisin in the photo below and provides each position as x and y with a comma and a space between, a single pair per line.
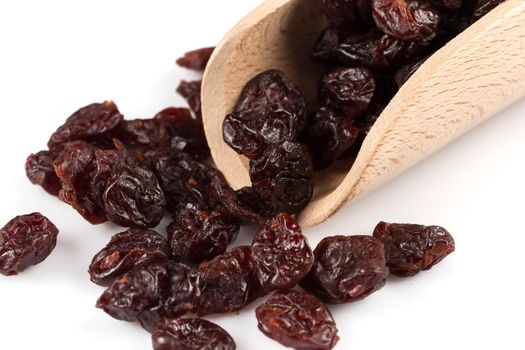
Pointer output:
133, 198
347, 269
191, 91
40, 171
281, 254
126, 251
196, 59
90, 123
324, 49
24, 241
283, 177
191, 334
249, 199
270, 110
143, 134
297, 320
413, 248
198, 235
483, 7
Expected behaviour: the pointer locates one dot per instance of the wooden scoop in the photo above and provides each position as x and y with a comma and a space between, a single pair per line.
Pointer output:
473, 77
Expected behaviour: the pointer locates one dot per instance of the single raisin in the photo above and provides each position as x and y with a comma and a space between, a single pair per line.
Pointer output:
347, 269
283, 177
198, 235
413, 248
248, 199
281, 254
196, 59
40, 171
133, 198
24, 241
126, 251
90, 123
329, 135
270, 110
191, 334
483, 7
297, 320
191, 91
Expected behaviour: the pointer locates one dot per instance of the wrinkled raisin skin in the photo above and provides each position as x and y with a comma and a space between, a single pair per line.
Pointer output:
196, 59
126, 251
281, 254
40, 171
191, 334
411, 248
283, 177
24, 241
297, 320
347, 269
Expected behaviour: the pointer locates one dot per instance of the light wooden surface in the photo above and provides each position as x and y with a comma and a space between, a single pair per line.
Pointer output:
469, 80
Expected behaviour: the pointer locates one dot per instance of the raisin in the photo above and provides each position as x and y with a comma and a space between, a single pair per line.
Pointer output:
126, 251
227, 283
73, 166
40, 171
329, 135
199, 235
353, 15
405, 72
347, 269
191, 91
90, 123
270, 110
281, 254
413, 248
150, 293
325, 45
283, 177
143, 134
349, 90
24, 241
483, 7
248, 199
196, 59
191, 334
133, 198
297, 320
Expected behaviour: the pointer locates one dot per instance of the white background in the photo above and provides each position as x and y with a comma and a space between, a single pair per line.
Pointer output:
56, 56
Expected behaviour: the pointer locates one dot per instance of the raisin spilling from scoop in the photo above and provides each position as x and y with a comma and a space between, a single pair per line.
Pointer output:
413, 248
346, 269
191, 334
191, 92
126, 251
196, 59
297, 320
24, 241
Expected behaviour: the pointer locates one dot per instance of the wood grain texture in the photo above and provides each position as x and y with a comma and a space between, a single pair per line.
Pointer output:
469, 80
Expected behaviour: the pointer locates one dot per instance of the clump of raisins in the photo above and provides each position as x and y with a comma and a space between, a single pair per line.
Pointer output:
297, 320
24, 241
413, 248
347, 268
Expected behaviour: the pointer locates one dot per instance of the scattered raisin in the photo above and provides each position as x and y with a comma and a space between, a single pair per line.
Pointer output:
413, 248
297, 320
191, 91
283, 177
191, 334
126, 251
40, 171
281, 254
347, 269
24, 241
196, 59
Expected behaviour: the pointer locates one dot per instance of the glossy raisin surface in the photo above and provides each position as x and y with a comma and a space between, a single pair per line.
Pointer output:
281, 254
191, 334
198, 235
413, 248
196, 59
347, 269
133, 198
297, 320
191, 91
270, 110
24, 241
126, 251
91, 123
40, 171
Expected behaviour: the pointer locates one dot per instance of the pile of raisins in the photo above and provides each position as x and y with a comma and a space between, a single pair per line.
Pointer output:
369, 50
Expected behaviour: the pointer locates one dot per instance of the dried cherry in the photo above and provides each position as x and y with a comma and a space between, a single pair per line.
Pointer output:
297, 320
40, 171
413, 248
24, 241
196, 59
347, 269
